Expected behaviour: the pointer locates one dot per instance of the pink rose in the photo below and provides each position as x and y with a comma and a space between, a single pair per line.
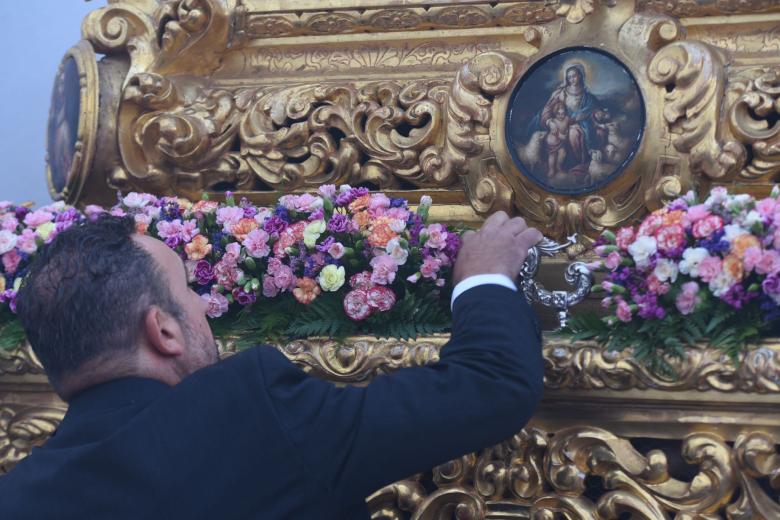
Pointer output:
269, 286
11, 261
613, 261
708, 226
384, 269
624, 237
218, 304
709, 268
37, 218
285, 278
769, 263
26, 242
437, 237
256, 244
623, 311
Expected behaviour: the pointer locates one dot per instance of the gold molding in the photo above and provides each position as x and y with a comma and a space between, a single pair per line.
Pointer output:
86, 132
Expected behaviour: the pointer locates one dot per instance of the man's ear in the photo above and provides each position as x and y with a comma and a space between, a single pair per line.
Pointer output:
163, 332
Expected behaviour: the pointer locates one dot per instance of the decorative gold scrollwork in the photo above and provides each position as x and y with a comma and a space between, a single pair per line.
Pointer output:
750, 119
693, 74
22, 428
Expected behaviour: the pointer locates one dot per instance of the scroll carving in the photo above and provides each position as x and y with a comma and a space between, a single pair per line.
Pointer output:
190, 138
753, 120
124, 27
22, 428
575, 11
693, 74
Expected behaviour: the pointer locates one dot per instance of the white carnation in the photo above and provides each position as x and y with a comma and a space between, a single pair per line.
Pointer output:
642, 249
692, 257
666, 270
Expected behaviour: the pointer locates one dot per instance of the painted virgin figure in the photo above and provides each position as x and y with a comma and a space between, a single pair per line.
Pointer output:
567, 120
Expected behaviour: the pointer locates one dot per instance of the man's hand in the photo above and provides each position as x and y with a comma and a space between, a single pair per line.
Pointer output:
499, 247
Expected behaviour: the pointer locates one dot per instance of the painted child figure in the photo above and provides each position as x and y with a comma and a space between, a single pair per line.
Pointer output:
557, 137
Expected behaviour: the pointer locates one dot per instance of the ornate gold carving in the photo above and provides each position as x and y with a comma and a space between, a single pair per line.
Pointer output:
255, 24
694, 76
753, 120
534, 476
707, 7
124, 27
19, 361
22, 428
575, 11
185, 138
83, 151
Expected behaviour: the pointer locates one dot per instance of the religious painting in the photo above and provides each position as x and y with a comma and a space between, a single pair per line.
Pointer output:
63, 124
575, 121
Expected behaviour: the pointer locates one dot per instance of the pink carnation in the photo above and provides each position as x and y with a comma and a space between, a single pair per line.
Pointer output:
229, 216
10, 223
650, 225
218, 304
384, 269
378, 203
612, 261
623, 311
356, 305
269, 286
656, 286
361, 280
284, 278
327, 191
274, 265
696, 213
227, 274
256, 243
624, 237
37, 218
706, 227
769, 263
26, 242
336, 250
709, 268
766, 207
670, 237
437, 237
170, 229
11, 261
688, 299
430, 267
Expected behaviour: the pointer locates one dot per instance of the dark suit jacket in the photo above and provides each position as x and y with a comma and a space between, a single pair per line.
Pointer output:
255, 437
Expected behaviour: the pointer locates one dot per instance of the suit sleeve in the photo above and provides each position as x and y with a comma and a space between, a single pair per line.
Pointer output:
484, 388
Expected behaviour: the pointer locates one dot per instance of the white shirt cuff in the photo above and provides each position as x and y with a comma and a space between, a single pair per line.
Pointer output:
481, 279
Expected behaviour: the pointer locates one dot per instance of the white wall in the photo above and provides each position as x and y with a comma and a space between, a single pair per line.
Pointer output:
34, 34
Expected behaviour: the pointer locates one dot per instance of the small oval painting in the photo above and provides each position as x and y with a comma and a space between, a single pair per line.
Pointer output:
63, 124
575, 121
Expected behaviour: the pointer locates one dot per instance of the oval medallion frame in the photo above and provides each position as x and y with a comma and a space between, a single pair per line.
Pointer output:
654, 174
69, 157
605, 133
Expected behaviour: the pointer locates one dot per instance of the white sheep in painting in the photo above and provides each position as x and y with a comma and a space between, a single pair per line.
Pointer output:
531, 153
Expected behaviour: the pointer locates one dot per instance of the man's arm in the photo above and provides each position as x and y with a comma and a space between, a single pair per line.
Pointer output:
484, 388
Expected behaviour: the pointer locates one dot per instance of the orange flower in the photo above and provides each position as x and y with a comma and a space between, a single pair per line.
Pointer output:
306, 290
381, 234
243, 227
673, 217
362, 219
742, 242
198, 249
359, 203
141, 227
205, 206
733, 267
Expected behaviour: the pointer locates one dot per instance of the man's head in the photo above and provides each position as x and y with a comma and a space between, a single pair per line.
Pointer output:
102, 302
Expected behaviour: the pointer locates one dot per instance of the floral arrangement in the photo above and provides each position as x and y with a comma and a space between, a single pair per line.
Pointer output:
689, 272
337, 262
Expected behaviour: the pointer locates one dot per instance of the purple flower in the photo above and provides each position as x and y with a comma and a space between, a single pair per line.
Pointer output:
243, 297
415, 226
737, 297
250, 211
338, 223
771, 284
69, 215
170, 210
318, 214
453, 245
343, 199
204, 272
21, 212
325, 245
398, 203
282, 212
275, 225
173, 242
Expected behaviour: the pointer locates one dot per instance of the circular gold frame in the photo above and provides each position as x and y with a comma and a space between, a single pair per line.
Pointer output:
86, 134
653, 175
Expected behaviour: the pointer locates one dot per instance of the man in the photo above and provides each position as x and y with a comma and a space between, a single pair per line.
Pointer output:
157, 428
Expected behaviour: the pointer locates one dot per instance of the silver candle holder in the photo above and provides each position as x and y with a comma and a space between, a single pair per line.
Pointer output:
577, 275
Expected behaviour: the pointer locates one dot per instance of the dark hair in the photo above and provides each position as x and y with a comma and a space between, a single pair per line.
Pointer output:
86, 293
